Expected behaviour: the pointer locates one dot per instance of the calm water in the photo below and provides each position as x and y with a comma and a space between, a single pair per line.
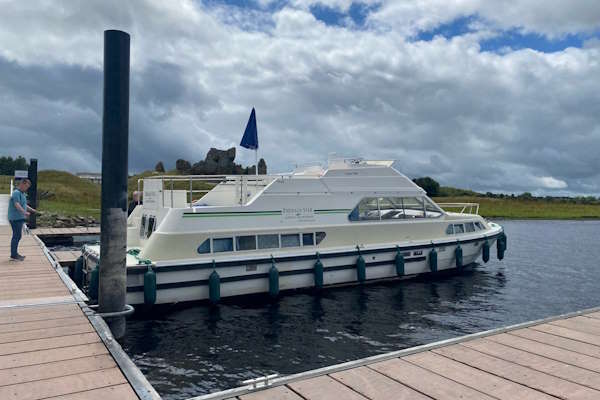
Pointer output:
550, 268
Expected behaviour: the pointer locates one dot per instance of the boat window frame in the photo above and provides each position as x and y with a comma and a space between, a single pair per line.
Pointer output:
462, 227
237, 242
281, 235
312, 237
424, 205
266, 248
450, 229
479, 225
223, 238
472, 224
202, 244
317, 241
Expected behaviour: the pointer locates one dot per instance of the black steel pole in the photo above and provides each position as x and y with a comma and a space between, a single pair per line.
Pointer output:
113, 221
32, 192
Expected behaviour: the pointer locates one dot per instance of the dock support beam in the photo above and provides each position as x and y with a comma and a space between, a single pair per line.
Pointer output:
115, 136
32, 192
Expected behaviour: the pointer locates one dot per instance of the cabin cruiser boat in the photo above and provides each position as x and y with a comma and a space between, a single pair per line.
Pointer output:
353, 221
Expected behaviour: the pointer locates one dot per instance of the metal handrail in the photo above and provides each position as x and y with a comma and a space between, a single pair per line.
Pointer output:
465, 206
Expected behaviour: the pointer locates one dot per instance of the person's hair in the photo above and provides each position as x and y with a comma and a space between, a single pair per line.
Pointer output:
25, 180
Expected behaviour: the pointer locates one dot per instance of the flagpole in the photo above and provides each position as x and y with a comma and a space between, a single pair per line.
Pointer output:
256, 162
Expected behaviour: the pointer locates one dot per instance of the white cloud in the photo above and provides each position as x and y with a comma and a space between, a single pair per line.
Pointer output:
443, 108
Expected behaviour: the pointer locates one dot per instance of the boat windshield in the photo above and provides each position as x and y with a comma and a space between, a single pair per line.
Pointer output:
386, 208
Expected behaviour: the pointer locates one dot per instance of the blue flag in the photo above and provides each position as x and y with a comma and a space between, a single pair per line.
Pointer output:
250, 139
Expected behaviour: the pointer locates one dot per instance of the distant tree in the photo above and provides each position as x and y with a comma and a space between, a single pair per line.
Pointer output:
8, 165
525, 195
182, 165
159, 167
429, 185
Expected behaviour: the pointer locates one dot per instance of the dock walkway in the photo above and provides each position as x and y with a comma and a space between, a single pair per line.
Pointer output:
52, 346
557, 357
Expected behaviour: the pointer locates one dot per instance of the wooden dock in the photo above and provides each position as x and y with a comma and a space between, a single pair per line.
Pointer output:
76, 231
66, 258
554, 358
51, 344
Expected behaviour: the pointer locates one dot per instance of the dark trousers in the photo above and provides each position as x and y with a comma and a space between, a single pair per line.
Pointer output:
17, 230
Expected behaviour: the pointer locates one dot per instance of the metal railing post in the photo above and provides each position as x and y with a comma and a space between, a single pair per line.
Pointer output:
171, 192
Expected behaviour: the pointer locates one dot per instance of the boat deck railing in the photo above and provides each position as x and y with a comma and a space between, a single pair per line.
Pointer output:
202, 184
465, 208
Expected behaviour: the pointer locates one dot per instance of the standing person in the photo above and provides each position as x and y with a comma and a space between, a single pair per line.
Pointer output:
136, 199
17, 213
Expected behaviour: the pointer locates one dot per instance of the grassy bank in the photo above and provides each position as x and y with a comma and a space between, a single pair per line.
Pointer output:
66, 194
527, 208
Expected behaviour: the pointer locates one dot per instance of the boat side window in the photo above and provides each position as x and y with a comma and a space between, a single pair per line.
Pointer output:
470, 227
319, 236
268, 241
365, 210
458, 228
290, 240
450, 230
223, 244
245, 243
150, 227
204, 247
479, 225
143, 225
413, 207
308, 239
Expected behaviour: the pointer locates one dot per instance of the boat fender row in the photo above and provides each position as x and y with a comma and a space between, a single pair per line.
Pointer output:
458, 255
501, 246
149, 286
433, 264
318, 271
361, 267
399, 262
94, 282
273, 279
485, 250
78, 272
214, 285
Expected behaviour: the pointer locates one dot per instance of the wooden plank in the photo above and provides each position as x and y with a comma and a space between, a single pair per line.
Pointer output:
55, 369
568, 333
558, 341
117, 392
587, 325
546, 383
425, 381
482, 381
62, 385
12, 337
13, 319
548, 351
375, 385
46, 356
324, 388
18, 311
48, 343
278, 392
42, 294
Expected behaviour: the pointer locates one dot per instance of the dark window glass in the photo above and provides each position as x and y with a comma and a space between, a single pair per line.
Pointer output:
245, 242
470, 227
320, 236
449, 230
308, 239
479, 225
458, 228
223, 244
268, 241
143, 226
150, 227
291, 240
204, 247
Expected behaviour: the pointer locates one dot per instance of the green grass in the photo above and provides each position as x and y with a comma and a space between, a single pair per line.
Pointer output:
527, 208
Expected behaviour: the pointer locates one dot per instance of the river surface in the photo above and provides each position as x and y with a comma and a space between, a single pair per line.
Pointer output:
551, 267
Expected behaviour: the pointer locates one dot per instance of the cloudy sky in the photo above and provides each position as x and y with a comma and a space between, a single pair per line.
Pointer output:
490, 95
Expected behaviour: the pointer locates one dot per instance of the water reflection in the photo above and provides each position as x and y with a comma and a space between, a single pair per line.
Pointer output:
194, 349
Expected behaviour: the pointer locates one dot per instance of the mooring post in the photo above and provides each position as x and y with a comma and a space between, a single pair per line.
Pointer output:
32, 192
113, 221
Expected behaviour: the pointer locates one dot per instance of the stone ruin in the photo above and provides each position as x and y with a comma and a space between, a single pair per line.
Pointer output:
219, 162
